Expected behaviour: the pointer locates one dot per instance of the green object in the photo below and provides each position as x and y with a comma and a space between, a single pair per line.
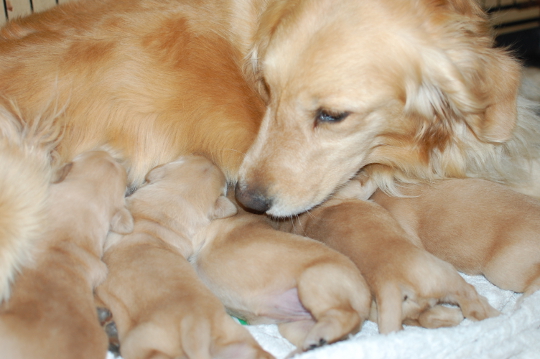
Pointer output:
241, 321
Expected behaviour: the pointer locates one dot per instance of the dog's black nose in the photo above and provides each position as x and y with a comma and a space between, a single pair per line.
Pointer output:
253, 198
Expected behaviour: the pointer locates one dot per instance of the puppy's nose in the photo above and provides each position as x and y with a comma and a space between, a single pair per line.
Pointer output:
253, 198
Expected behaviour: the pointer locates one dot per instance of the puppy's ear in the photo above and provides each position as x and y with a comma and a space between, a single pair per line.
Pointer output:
223, 208
122, 221
60, 174
155, 174
463, 76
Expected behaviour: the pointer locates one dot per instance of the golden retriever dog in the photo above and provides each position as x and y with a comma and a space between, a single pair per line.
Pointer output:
259, 273
478, 226
160, 307
51, 312
407, 282
407, 90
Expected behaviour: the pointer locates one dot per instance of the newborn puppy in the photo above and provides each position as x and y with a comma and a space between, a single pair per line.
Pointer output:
479, 226
314, 294
160, 307
407, 282
51, 312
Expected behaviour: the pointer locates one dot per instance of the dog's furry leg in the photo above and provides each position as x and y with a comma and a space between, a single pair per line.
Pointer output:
25, 159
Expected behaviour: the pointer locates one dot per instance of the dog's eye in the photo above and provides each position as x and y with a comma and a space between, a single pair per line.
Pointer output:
329, 116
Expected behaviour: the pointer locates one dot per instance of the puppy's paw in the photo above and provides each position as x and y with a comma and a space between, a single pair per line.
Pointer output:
437, 317
332, 326
474, 306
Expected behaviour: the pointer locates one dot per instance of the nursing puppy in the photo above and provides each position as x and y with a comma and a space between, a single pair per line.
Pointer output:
479, 226
407, 282
258, 272
314, 294
160, 307
51, 313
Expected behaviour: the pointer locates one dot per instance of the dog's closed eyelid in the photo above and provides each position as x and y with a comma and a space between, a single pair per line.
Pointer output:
330, 116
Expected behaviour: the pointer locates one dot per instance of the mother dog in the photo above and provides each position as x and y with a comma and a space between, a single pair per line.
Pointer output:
405, 89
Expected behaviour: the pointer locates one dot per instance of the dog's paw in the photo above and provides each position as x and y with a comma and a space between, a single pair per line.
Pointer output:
474, 306
332, 326
437, 317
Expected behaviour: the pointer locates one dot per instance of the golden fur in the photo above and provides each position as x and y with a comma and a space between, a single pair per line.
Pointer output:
51, 313
181, 213
26, 172
160, 307
295, 282
478, 226
407, 283
408, 91
148, 80
424, 92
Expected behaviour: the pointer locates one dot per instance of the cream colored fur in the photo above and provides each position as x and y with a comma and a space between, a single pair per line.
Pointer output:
478, 226
314, 294
51, 313
408, 284
25, 159
160, 307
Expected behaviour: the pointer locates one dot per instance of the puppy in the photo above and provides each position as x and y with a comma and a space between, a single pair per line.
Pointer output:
479, 226
160, 307
51, 312
315, 295
407, 282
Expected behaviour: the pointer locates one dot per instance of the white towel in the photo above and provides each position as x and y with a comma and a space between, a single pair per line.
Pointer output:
513, 334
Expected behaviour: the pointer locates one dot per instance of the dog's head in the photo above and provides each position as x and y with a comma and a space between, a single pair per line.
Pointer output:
348, 84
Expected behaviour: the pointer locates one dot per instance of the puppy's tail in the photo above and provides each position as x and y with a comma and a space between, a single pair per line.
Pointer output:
25, 160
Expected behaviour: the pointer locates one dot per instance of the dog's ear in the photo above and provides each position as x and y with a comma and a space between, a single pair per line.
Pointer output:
60, 174
463, 76
122, 221
223, 208
268, 23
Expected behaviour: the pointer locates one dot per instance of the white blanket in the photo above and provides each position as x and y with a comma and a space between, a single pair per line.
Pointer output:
513, 334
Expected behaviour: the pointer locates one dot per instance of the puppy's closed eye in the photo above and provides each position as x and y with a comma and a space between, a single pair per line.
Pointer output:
329, 116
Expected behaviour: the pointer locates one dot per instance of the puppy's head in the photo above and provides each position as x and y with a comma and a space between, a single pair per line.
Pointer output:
369, 82
195, 183
97, 174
